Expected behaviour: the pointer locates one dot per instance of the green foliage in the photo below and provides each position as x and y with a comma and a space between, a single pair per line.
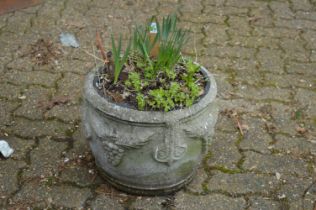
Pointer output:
170, 94
191, 68
134, 81
160, 99
171, 40
190, 80
161, 82
167, 99
118, 60
142, 43
141, 103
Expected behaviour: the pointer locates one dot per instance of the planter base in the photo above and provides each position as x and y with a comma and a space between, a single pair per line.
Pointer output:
136, 190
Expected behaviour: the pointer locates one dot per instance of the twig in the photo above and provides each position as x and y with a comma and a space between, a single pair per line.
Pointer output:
100, 47
239, 125
92, 55
195, 50
104, 89
234, 116
95, 60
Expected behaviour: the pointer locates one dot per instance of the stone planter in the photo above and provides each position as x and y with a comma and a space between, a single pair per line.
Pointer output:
148, 152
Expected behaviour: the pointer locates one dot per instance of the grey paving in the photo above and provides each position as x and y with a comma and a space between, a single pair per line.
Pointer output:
263, 56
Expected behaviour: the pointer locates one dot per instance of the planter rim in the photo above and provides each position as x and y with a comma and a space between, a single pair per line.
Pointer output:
132, 115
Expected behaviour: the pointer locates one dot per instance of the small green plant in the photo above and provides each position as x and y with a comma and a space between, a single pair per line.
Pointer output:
171, 40
163, 80
118, 60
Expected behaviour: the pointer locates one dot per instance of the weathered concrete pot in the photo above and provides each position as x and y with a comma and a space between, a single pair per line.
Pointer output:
148, 152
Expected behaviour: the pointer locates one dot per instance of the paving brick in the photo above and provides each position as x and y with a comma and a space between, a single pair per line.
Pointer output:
245, 3
301, 68
66, 113
231, 52
255, 42
215, 34
293, 189
309, 15
19, 22
215, 63
248, 77
224, 11
242, 183
256, 137
196, 185
21, 147
261, 16
283, 164
239, 25
241, 106
9, 91
270, 60
79, 175
310, 197
225, 123
103, 202
307, 98
276, 32
297, 146
32, 129
295, 23
197, 18
263, 203
224, 86
32, 78
44, 159
282, 80
224, 152
193, 48
294, 50
71, 86
32, 105
304, 5
35, 194
9, 170
265, 93
283, 121
69, 196
5, 112
313, 55
281, 9
213, 201
150, 203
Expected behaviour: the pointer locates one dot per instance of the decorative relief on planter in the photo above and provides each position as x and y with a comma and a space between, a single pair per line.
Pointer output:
116, 138
115, 146
201, 128
173, 148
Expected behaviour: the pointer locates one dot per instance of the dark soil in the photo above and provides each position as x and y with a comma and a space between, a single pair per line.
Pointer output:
120, 94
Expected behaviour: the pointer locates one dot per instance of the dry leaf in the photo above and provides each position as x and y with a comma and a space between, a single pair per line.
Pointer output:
278, 175
100, 47
301, 130
47, 105
245, 127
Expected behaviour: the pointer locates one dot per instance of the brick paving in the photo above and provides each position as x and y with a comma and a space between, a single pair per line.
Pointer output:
263, 55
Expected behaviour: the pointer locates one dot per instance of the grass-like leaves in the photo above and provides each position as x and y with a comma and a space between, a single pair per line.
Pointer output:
118, 60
